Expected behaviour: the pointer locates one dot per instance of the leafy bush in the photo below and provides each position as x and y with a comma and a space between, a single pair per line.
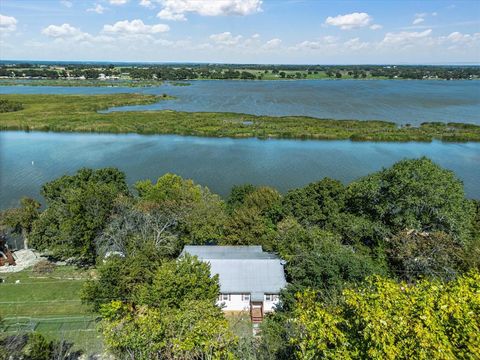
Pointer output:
9, 106
44, 267
384, 319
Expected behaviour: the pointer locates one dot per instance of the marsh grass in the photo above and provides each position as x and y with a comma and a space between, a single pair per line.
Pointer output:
79, 113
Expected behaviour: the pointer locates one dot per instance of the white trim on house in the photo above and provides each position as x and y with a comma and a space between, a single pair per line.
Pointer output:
241, 302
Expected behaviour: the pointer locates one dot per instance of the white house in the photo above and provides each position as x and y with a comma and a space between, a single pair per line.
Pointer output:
250, 279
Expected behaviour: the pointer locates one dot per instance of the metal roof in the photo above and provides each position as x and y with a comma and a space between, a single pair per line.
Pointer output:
242, 269
228, 252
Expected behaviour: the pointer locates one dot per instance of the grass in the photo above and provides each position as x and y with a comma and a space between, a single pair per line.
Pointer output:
79, 113
49, 304
55, 294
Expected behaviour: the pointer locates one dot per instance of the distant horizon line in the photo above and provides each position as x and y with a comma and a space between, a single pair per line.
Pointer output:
3, 61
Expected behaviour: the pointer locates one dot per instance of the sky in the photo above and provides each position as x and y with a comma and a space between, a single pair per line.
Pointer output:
242, 31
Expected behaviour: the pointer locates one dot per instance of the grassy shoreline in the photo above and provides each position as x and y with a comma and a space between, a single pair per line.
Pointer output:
79, 113
155, 83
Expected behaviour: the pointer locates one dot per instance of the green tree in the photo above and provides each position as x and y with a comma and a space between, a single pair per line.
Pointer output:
414, 254
384, 319
414, 194
318, 203
196, 331
319, 261
176, 281
172, 316
254, 217
78, 208
200, 215
21, 219
237, 195
118, 277
247, 226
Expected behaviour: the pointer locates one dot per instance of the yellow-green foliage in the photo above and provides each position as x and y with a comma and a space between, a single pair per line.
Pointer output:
80, 113
198, 330
389, 320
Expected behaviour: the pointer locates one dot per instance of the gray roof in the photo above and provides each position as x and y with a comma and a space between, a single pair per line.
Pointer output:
242, 269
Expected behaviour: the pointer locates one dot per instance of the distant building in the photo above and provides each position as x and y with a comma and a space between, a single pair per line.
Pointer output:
250, 279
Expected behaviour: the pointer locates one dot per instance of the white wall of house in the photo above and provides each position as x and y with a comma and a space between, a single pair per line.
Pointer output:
269, 303
234, 302
241, 302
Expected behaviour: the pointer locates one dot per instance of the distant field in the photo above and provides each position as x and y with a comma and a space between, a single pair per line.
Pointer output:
49, 304
79, 113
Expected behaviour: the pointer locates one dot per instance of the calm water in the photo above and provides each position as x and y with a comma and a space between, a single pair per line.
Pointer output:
399, 101
28, 160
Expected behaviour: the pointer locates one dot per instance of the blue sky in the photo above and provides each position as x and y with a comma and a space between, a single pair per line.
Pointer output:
242, 31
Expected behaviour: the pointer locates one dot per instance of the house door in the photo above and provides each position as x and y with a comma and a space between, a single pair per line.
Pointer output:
256, 311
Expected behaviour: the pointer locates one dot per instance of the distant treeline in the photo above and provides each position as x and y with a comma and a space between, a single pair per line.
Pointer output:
236, 71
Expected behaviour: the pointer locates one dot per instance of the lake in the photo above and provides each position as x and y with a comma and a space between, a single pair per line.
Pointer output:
400, 101
27, 160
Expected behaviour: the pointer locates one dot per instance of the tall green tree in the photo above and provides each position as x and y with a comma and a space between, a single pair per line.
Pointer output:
20, 220
170, 317
78, 208
318, 203
200, 214
253, 219
176, 281
318, 260
414, 194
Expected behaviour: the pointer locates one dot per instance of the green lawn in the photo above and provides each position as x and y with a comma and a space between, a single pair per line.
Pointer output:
49, 304
79, 113
54, 294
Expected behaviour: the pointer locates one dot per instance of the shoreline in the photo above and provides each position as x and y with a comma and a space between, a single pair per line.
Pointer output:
150, 83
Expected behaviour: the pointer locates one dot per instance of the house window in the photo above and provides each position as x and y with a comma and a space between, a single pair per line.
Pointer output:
225, 297
245, 297
271, 297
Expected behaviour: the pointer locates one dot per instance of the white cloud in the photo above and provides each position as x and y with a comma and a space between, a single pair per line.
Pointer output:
135, 27
67, 31
350, 21
376, 26
404, 37
418, 21
146, 3
355, 44
61, 31
327, 42
459, 38
118, 2
177, 9
7, 23
272, 44
309, 45
66, 3
99, 9
329, 39
225, 38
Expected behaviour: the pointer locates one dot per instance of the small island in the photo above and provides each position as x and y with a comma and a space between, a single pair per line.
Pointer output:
80, 113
